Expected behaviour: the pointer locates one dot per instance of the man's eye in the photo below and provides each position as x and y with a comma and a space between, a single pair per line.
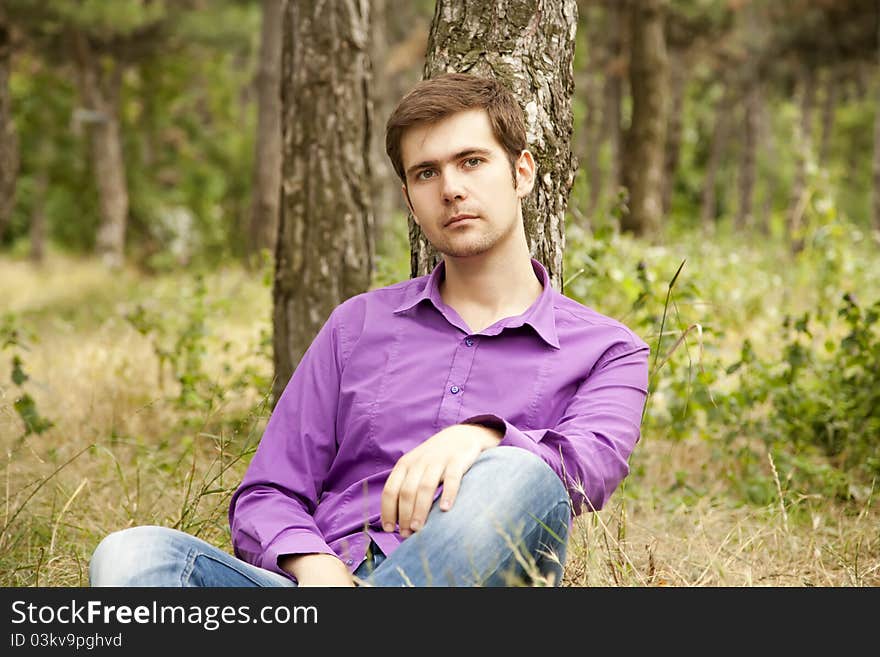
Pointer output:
473, 162
425, 174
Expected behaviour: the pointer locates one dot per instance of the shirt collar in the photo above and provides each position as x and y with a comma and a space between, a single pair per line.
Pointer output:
539, 315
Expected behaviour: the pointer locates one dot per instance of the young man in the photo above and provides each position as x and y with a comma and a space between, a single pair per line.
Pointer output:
441, 431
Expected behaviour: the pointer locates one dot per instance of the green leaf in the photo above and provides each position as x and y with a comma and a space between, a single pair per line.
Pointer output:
18, 375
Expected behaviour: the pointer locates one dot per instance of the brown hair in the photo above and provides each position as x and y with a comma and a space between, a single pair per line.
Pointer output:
437, 98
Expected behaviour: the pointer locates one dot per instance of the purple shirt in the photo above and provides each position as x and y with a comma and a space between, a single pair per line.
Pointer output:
392, 367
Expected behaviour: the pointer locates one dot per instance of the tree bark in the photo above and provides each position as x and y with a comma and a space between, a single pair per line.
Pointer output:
646, 137
529, 46
263, 224
39, 223
678, 84
100, 94
748, 159
876, 198
615, 77
385, 184
9, 159
708, 205
803, 144
592, 135
324, 253
829, 105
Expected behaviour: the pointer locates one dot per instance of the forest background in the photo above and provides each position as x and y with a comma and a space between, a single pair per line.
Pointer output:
724, 203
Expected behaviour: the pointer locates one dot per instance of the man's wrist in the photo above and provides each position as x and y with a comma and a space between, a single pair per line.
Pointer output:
491, 434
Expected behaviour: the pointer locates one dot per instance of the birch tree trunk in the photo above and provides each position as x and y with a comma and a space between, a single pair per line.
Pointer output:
529, 46
263, 224
646, 137
324, 253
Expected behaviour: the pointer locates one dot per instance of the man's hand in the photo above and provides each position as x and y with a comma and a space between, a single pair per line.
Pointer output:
444, 457
316, 570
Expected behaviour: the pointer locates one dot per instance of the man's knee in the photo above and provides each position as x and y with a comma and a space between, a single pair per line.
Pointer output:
520, 473
120, 555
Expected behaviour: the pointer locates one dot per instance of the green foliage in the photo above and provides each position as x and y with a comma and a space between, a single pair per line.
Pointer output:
820, 398
13, 338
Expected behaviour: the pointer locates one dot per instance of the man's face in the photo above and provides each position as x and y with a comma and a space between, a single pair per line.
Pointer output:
459, 182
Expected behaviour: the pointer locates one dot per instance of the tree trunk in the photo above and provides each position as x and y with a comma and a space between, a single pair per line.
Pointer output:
100, 94
748, 160
8, 140
615, 75
324, 253
528, 46
708, 205
39, 223
646, 137
386, 186
803, 144
829, 105
876, 198
678, 84
592, 135
263, 224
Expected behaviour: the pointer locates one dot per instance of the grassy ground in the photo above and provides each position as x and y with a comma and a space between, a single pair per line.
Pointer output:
128, 448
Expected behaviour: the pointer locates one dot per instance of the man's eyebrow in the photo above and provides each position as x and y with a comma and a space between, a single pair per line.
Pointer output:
468, 152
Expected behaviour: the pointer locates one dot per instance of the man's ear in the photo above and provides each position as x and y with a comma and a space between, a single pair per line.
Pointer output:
525, 170
408, 202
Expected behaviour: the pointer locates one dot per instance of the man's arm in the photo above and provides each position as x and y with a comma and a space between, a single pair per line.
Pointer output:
589, 447
271, 512
316, 569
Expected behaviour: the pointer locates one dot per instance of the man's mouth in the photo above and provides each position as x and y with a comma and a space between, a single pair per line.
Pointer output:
459, 217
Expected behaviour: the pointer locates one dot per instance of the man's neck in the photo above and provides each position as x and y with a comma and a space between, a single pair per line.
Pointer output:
492, 286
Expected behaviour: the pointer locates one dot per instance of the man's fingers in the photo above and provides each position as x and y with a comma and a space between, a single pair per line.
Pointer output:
425, 496
451, 484
390, 493
407, 497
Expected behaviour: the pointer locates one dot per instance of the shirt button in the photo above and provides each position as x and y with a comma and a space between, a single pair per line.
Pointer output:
349, 562
469, 342
455, 390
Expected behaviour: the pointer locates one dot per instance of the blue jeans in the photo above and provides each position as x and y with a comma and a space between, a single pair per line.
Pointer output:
508, 526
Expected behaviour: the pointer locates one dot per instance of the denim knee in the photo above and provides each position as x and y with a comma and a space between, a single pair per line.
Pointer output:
523, 474
118, 558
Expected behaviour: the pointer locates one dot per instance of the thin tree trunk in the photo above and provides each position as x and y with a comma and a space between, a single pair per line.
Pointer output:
100, 93
803, 143
39, 223
592, 136
385, 189
263, 224
708, 205
876, 199
678, 76
324, 253
829, 105
748, 160
9, 158
615, 76
529, 47
646, 137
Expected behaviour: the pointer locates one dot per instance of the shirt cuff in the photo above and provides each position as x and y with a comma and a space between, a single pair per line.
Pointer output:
510, 435
295, 542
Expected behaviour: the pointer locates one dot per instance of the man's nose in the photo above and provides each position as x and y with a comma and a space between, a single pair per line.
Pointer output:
453, 188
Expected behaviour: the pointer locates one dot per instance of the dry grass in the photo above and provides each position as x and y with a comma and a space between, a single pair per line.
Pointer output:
120, 455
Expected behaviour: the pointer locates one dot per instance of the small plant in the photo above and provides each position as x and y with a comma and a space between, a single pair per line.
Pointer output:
14, 339
817, 413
